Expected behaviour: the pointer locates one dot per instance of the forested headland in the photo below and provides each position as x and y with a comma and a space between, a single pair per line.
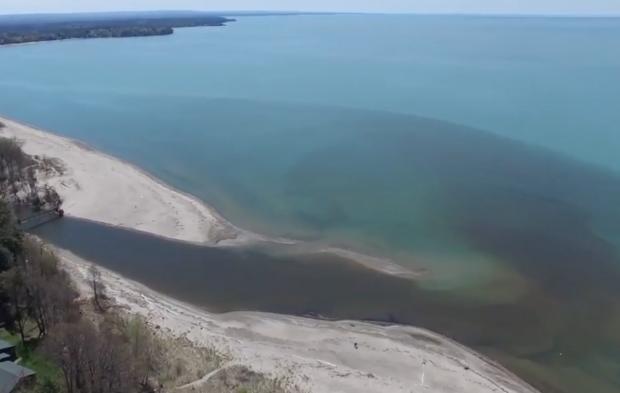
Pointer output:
32, 28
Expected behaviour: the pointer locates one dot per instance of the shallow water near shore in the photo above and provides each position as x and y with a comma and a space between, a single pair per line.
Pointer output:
492, 166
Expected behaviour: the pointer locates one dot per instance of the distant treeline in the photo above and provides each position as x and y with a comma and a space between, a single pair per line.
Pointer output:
15, 30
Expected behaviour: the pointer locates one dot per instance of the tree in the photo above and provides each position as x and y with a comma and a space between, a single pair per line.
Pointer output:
145, 350
34, 288
12, 296
10, 236
50, 292
69, 347
98, 287
100, 359
6, 261
13, 283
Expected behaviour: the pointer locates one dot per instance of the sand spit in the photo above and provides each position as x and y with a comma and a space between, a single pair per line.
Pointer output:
102, 188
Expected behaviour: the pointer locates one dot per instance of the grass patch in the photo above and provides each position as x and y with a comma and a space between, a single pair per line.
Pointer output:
45, 369
8, 336
47, 372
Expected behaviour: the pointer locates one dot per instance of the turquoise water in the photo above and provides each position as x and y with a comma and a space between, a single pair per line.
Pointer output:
484, 150
561, 74
552, 82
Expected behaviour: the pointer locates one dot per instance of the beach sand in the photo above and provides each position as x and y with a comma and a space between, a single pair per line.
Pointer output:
318, 356
102, 188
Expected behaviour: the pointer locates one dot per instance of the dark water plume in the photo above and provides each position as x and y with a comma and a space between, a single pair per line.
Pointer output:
445, 195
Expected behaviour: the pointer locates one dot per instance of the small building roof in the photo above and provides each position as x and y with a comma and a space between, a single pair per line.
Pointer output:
5, 345
11, 374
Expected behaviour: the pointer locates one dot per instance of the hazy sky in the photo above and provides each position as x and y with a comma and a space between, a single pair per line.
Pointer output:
601, 7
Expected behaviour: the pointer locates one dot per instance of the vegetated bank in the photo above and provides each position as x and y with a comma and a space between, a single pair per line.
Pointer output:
77, 343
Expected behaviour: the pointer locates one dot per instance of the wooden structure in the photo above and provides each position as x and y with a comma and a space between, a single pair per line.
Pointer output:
34, 219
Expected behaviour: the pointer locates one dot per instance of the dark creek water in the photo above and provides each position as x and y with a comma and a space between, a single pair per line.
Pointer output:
557, 335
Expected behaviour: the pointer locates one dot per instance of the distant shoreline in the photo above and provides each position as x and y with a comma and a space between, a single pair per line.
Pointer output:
140, 201
44, 28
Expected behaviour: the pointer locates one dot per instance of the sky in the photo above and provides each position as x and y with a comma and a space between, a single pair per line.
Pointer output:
556, 7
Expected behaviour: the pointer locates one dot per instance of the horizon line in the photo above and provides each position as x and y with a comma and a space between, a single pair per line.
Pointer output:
226, 12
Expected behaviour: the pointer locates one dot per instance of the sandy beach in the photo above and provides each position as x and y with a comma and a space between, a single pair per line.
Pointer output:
102, 188
319, 356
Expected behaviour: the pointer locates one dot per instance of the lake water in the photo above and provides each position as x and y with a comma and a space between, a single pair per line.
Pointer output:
484, 150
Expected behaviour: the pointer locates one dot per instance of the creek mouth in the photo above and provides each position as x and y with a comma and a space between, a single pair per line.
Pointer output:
539, 330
